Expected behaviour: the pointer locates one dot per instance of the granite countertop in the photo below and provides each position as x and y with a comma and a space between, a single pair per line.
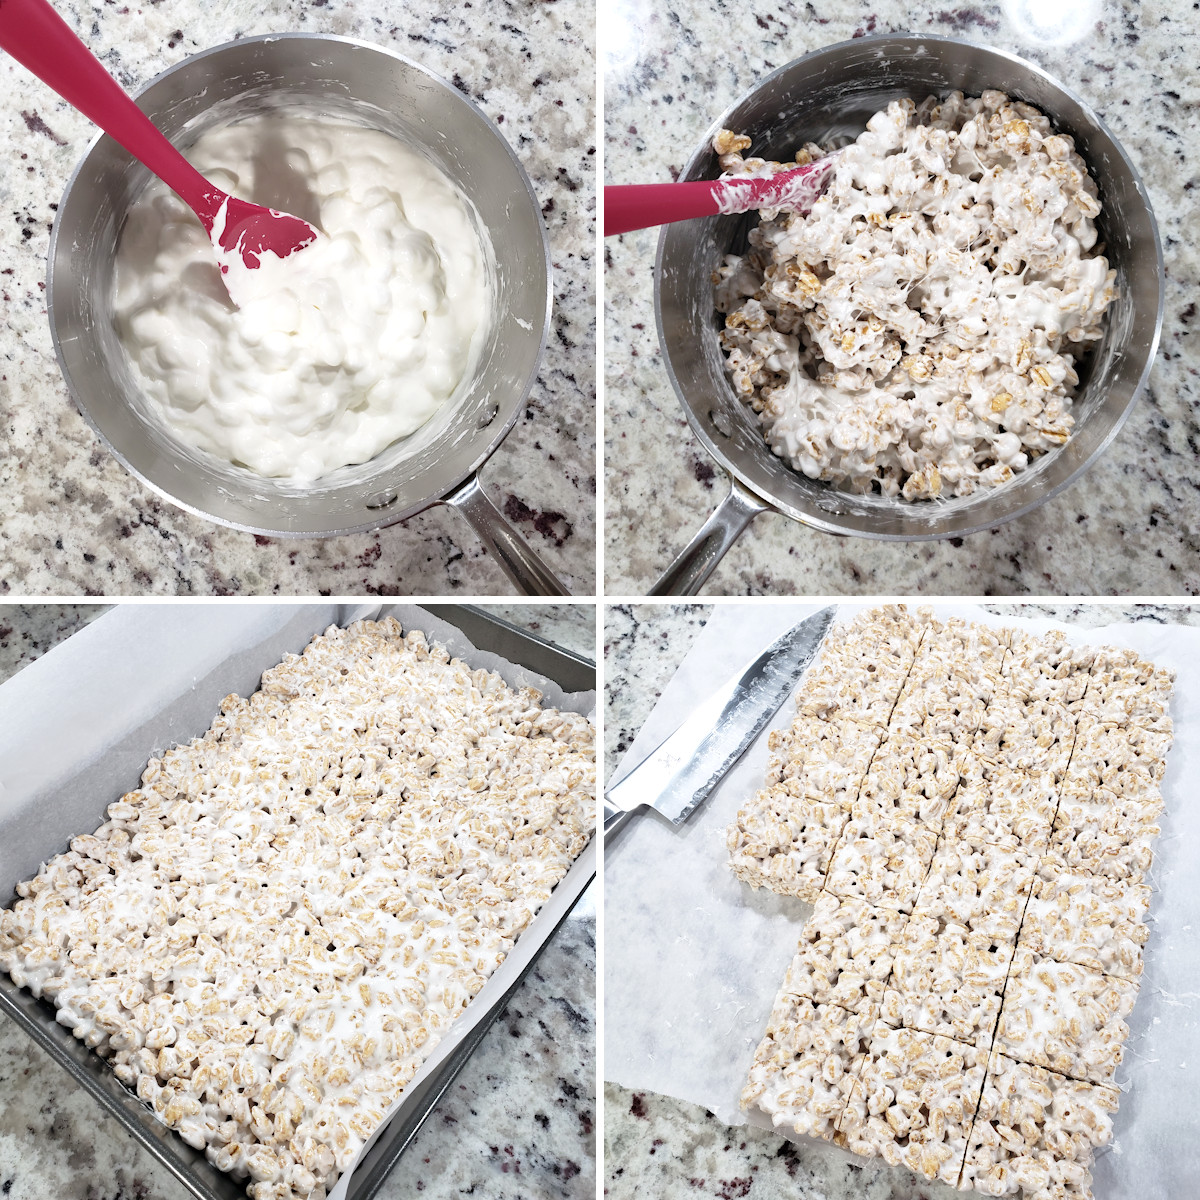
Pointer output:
516, 1123
74, 522
1130, 526
27, 631
664, 1147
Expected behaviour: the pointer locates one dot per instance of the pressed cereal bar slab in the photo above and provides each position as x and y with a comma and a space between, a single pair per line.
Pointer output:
977, 861
270, 935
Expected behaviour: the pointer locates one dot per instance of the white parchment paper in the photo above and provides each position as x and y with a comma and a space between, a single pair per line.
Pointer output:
694, 957
79, 724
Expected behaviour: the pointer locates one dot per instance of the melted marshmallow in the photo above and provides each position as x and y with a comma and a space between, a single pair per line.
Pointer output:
332, 353
792, 190
917, 332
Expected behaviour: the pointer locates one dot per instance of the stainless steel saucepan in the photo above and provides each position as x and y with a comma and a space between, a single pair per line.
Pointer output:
342, 78
828, 94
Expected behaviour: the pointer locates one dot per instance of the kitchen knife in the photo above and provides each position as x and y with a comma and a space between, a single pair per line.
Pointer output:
679, 775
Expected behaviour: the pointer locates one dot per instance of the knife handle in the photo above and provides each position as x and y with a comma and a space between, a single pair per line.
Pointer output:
615, 819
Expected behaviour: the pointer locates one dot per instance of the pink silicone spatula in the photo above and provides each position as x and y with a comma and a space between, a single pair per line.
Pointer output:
38, 38
640, 205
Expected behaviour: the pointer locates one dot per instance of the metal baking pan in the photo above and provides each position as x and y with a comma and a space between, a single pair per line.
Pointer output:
570, 671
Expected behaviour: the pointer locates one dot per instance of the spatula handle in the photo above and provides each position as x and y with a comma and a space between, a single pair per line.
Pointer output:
641, 205
38, 38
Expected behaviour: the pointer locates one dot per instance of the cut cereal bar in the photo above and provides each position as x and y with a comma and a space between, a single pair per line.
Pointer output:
1007, 808
955, 675
862, 667
977, 885
947, 980
784, 843
1127, 691
881, 860
1107, 833
1117, 758
911, 778
803, 1068
1079, 917
1036, 1132
1026, 735
845, 953
913, 1101
1064, 1017
1047, 667
823, 760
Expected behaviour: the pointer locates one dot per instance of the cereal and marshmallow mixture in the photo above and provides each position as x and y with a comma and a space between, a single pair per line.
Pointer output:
917, 332
971, 810
268, 938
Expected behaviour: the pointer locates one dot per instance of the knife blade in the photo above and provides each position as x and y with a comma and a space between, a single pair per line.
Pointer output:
678, 776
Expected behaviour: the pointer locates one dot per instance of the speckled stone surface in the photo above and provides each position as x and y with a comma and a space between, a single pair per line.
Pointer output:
1131, 525
517, 1124
74, 522
664, 1147
27, 631
572, 626
643, 644
1092, 616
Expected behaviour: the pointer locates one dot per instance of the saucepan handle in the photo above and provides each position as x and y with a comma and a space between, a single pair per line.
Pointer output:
517, 560
687, 574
